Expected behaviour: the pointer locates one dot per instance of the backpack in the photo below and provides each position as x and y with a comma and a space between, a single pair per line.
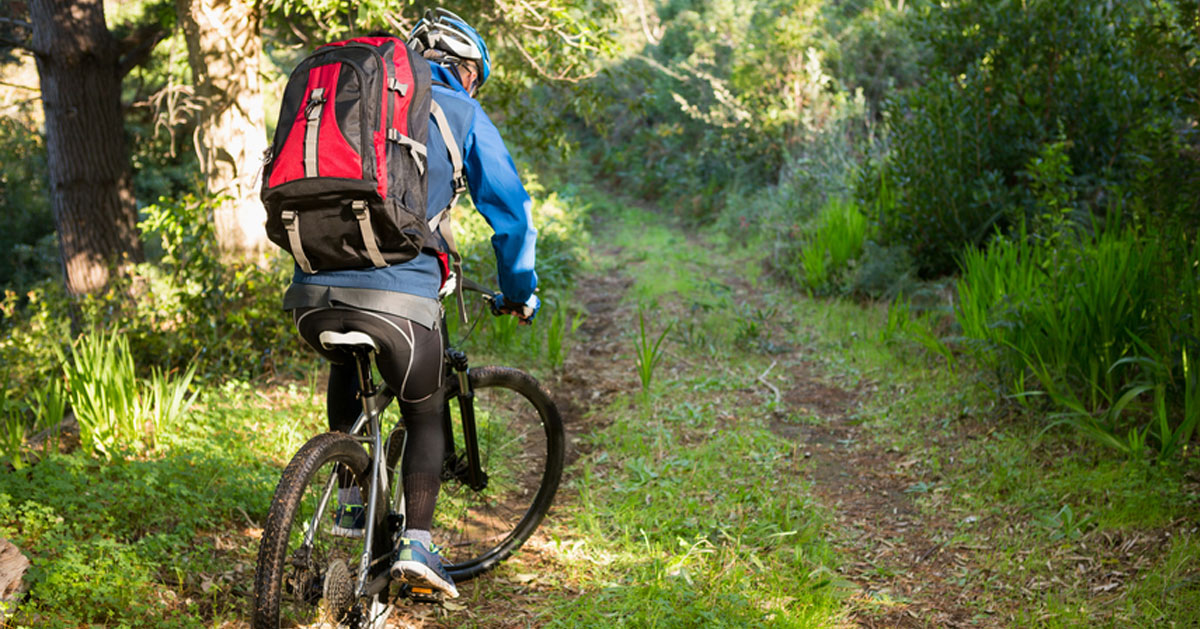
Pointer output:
344, 180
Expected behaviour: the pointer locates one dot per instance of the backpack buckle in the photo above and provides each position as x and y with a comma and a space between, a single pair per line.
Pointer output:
360, 209
288, 217
316, 99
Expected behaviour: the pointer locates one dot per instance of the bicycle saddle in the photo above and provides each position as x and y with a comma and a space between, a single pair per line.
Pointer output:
346, 340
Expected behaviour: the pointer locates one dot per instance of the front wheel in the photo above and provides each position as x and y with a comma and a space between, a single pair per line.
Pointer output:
305, 575
521, 450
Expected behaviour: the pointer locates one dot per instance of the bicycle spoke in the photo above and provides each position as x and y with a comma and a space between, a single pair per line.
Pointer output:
478, 528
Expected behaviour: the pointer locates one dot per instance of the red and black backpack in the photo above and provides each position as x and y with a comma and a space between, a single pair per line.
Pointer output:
344, 182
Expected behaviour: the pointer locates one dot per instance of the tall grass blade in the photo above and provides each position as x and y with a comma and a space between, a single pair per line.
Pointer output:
103, 390
167, 401
12, 439
649, 352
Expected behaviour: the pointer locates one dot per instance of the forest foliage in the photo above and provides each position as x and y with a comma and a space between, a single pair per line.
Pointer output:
871, 147
1018, 178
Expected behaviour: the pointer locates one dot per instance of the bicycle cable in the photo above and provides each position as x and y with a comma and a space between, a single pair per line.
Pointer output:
478, 315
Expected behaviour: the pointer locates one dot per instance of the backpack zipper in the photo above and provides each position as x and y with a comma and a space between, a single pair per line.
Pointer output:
365, 140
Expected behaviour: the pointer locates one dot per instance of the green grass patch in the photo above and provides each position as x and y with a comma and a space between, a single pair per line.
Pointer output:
689, 510
163, 540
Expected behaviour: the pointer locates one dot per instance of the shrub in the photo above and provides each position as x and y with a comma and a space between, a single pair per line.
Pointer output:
876, 52
190, 306
948, 191
1098, 83
1092, 322
718, 105
28, 234
827, 248
884, 272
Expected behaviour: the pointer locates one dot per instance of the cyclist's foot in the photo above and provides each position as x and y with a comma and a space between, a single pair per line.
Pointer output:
421, 568
350, 518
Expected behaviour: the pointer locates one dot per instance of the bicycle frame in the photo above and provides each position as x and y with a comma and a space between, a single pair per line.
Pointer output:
367, 430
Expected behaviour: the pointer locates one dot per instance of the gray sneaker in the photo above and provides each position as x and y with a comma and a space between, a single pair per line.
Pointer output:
350, 518
422, 569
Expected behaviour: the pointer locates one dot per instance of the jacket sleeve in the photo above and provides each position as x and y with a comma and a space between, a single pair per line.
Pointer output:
501, 198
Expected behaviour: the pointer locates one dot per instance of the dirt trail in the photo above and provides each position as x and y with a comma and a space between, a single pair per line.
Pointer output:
590, 377
890, 550
893, 553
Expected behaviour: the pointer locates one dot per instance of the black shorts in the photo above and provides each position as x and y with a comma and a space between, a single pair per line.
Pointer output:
409, 356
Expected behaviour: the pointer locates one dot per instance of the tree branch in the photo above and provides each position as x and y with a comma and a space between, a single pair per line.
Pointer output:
15, 23
564, 76
763, 379
135, 48
305, 40
6, 42
13, 40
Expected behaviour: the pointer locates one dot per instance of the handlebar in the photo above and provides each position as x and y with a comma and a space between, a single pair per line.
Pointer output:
493, 299
476, 287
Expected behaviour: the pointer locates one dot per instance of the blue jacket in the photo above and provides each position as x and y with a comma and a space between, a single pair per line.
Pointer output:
495, 188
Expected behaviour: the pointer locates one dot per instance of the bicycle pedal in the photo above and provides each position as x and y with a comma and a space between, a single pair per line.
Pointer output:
425, 595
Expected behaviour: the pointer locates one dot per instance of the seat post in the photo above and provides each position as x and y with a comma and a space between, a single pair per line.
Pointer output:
366, 383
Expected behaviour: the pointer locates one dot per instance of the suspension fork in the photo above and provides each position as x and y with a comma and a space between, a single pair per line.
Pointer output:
473, 475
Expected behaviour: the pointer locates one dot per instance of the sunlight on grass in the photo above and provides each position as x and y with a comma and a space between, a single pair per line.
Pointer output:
1024, 497
690, 511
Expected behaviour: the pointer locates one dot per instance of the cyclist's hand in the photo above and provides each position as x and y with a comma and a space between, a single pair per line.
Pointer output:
501, 305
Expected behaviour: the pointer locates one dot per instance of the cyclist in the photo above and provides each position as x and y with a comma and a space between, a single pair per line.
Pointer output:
399, 305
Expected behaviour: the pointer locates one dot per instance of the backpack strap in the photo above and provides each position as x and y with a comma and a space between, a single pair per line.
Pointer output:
291, 223
442, 222
416, 149
368, 233
443, 125
312, 129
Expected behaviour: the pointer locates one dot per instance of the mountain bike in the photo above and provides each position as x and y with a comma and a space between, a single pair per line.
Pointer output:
504, 459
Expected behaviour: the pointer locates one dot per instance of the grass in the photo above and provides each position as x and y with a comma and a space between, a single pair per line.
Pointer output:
686, 506
648, 350
1090, 325
1051, 511
1033, 494
166, 540
688, 510
837, 236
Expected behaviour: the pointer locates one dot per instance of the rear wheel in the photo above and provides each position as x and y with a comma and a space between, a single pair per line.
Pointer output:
521, 447
306, 576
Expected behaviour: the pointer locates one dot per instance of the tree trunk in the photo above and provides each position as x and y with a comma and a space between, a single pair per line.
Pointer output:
13, 565
91, 187
225, 52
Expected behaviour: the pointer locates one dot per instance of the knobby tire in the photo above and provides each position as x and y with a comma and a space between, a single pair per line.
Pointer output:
287, 517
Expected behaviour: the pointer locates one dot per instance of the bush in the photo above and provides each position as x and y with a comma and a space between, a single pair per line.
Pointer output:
189, 306
1087, 321
1103, 81
876, 52
716, 106
948, 194
820, 256
187, 309
28, 234
561, 219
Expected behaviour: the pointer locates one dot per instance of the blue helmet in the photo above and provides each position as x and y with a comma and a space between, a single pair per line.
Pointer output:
446, 32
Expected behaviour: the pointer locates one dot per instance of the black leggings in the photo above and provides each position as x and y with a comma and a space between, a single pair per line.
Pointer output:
410, 361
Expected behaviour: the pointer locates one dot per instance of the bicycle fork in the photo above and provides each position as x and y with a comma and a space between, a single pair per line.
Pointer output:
473, 476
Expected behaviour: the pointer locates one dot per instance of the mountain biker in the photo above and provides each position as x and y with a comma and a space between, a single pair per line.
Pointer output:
399, 305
